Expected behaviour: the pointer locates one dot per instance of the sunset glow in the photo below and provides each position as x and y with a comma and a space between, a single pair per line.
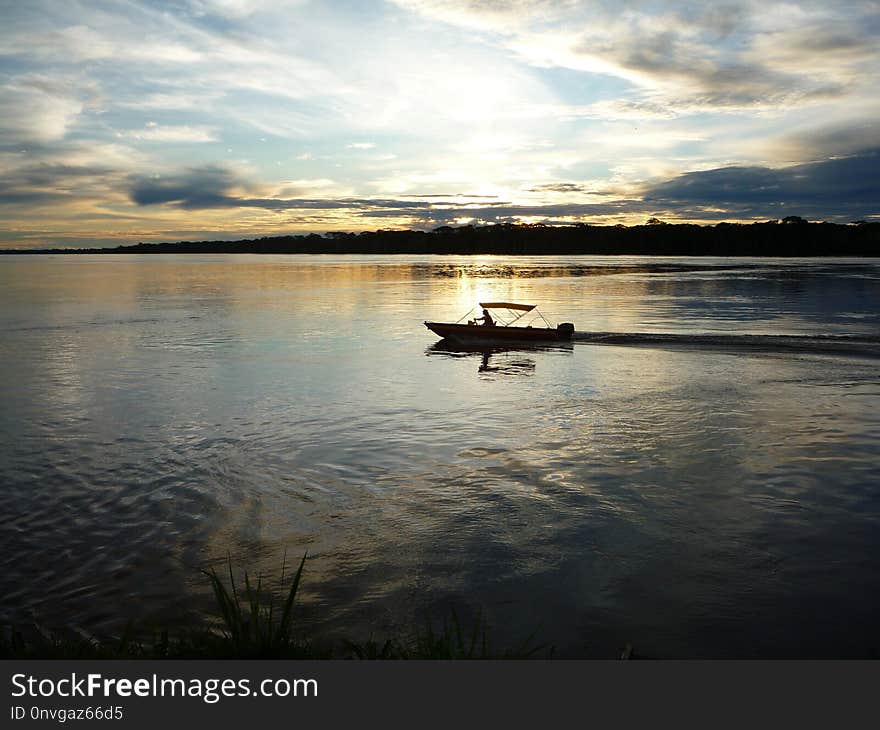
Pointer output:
201, 119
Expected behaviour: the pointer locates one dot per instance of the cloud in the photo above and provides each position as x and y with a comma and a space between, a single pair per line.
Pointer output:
204, 187
567, 188
153, 132
844, 44
843, 187
499, 17
239, 8
174, 100
732, 55
118, 40
37, 108
626, 109
500, 212
538, 102
558, 188
291, 188
52, 183
177, 49
216, 186
829, 140
839, 188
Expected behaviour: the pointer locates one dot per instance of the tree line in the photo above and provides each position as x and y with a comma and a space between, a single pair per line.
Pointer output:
792, 236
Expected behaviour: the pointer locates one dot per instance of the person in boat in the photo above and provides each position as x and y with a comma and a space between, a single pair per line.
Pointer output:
486, 318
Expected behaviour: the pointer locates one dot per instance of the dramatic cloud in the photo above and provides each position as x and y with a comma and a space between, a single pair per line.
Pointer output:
205, 187
834, 140
730, 55
836, 188
841, 188
215, 187
142, 119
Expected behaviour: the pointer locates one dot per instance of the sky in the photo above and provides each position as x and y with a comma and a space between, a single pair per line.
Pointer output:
132, 121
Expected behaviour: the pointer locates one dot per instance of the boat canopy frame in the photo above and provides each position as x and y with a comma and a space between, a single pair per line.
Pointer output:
512, 313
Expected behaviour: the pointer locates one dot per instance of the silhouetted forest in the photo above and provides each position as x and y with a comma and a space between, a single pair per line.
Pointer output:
792, 236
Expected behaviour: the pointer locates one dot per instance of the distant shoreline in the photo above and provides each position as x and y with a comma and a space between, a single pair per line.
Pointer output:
792, 237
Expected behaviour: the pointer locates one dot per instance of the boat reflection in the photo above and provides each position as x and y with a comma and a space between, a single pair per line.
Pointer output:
497, 359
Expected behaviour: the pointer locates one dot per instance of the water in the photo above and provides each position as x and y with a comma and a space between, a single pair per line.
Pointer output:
704, 482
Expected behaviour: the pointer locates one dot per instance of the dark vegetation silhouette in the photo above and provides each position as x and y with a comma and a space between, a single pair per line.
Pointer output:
793, 236
252, 622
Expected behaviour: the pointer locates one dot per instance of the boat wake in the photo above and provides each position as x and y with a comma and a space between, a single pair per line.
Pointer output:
837, 344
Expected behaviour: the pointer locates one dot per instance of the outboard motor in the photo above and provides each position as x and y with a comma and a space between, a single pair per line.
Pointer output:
565, 330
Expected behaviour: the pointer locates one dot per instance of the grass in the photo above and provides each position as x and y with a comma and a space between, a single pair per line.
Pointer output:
252, 626
42, 645
251, 623
451, 641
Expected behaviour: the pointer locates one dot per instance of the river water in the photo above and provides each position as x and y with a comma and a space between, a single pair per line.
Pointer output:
702, 482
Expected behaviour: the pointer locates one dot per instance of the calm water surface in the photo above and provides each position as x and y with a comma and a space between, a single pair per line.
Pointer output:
708, 495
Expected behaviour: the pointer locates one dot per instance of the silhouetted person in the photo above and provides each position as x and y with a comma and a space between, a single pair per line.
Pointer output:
487, 319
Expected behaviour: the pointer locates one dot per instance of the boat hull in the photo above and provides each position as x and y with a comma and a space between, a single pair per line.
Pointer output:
481, 333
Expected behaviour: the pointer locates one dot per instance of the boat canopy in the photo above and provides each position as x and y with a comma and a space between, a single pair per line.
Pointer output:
507, 305
513, 313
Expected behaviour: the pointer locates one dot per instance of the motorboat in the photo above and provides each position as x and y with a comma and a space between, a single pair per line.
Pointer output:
511, 323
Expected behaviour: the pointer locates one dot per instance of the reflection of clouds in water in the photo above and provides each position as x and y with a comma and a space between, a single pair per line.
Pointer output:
690, 492
255, 404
